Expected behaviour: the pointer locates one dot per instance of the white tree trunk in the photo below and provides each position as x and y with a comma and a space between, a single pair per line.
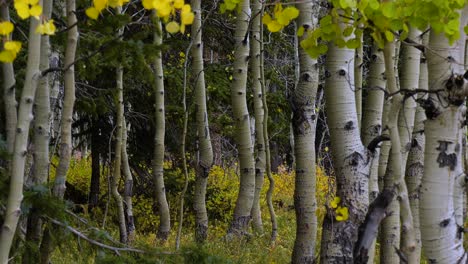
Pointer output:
371, 127
303, 121
350, 158
159, 136
15, 196
442, 238
245, 197
255, 50
9, 97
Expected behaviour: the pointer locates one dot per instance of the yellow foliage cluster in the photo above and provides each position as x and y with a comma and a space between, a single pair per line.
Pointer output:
24, 9
280, 18
165, 9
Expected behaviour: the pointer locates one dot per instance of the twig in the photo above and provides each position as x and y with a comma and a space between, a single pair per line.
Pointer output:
94, 242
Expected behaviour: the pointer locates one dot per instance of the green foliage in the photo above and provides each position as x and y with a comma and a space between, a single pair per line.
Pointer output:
384, 20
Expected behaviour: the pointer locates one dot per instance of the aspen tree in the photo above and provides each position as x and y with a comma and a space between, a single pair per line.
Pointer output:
303, 121
128, 189
15, 197
159, 135
441, 235
255, 50
116, 174
41, 140
205, 155
9, 97
415, 163
350, 158
371, 126
245, 197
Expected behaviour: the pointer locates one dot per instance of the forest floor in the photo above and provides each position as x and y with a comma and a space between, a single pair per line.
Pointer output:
221, 195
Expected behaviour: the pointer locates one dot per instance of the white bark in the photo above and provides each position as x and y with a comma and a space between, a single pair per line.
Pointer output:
15, 196
371, 125
205, 157
65, 148
304, 124
128, 186
245, 197
255, 50
441, 237
350, 158
9, 98
159, 136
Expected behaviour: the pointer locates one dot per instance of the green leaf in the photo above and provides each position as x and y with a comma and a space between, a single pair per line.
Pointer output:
348, 31
374, 4
353, 43
389, 9
465, 29
389, 35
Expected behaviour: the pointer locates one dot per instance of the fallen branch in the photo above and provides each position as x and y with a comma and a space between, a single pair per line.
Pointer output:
97, 243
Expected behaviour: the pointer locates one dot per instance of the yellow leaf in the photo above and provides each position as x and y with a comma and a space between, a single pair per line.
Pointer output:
100, 4
274, 26
291, 12
7, 56
115, 3
48, 28
92, 13
148, 4
182, 28
178, 4
277, 10
22, 9
342, 214
40, 29
35, 11
300, 31
13, 46
266, 19
335, 202
163, 8
187, 18
6, 28
172, 27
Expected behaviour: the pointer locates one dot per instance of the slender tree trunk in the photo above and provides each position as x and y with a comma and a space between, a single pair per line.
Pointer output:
245, 197
15, 196
271, 180
9, 97
205, 150
371, 125
128, 189
415, 164
66, 121
158, 161
350, 159
65, 149
442, 238
358, 70
41, 144
409, 79
304, 119
95, 165
255, 50
395, 175
116, 175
